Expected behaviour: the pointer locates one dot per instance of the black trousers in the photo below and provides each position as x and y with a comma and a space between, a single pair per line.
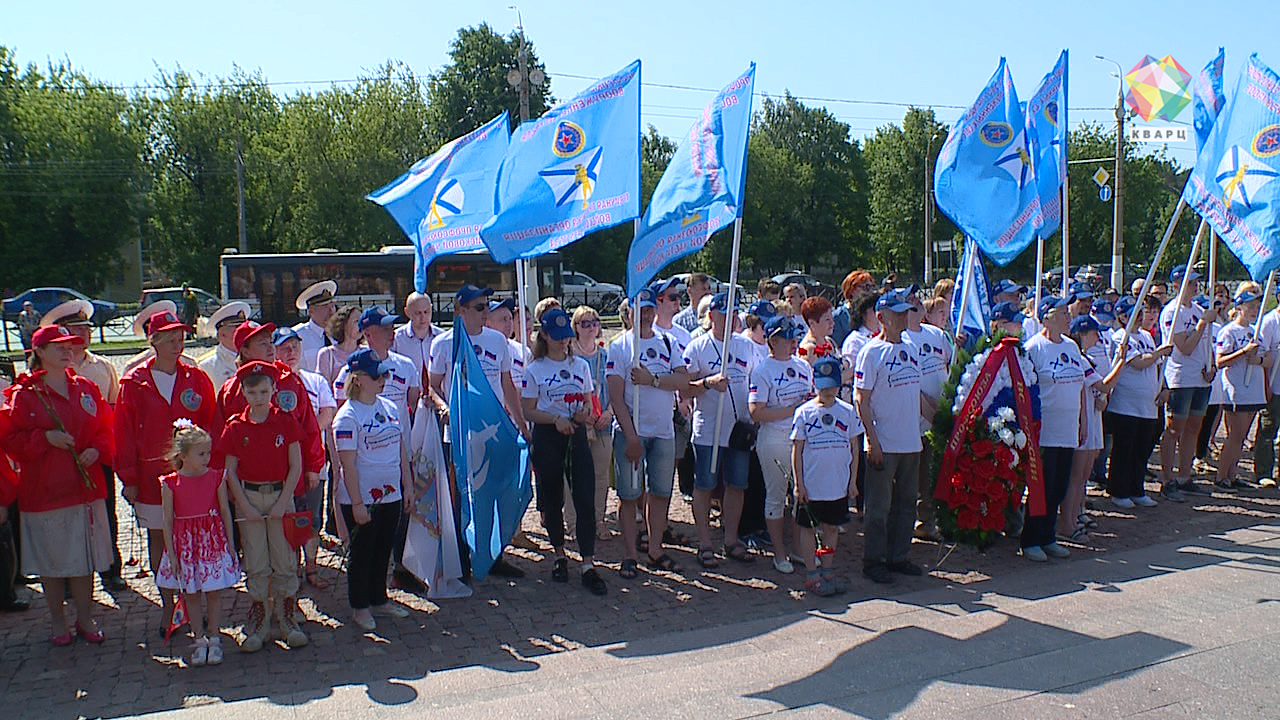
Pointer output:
551, 453
370, 554
1129, 454
1206, 430
1038, 531
109, 475
752, 518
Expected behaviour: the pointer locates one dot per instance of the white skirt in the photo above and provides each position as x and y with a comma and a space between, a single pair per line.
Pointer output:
68, 542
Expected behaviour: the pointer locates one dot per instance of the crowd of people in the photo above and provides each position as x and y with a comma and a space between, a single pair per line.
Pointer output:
778, 422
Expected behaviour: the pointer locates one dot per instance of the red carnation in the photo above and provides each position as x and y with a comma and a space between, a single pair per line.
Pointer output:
982, 448
376, 494
967, 519
993, 521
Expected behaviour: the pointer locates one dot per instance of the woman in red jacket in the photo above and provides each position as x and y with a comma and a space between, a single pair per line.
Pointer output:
152, 395
58, 428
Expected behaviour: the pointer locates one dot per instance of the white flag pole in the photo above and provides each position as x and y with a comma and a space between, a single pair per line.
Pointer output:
1186, 276
966, 278
1035, 309
635, 358
522, 301
1257, 322
1151, 270
1066, 242
730, 315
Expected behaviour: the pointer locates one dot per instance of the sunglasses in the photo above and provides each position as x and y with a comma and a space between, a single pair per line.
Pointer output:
588, 323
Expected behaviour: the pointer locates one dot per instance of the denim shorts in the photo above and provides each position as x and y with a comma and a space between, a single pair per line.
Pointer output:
735, 463
657, 467
1188, 401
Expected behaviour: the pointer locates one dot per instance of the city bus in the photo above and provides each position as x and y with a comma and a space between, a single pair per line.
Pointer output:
271, 282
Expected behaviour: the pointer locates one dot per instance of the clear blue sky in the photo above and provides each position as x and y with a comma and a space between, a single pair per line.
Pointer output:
920, 52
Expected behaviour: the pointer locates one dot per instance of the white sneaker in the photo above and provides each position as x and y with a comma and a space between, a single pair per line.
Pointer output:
1122, 503
1055, 550
390, 610
364, 620
1144, 501
215, 650
1034, 554
783, 565
199, 652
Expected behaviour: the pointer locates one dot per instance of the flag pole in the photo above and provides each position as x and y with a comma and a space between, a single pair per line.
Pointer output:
1035, 309
1186, 275
966, 278
1257, 322
1213, 261
1151, 270
635, 357
730, 314
1066, 243
522, 301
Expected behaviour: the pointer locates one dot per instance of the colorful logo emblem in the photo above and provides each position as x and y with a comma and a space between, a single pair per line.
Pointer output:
569, 141
1158, 88
87, 403
1241, 176
827, 419
190, 399
1050, 112
287, 400
996, 134
1267, 142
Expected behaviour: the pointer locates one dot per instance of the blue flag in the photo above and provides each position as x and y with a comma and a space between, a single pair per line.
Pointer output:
971, 281
984, 179
1207, 98
572, 171
701, 190
490, 456
1234, 184
443, 200
1047, 128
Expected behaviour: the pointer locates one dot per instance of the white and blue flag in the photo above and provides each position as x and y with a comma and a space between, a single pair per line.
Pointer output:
972, 294
1047, 127
701, 190
444, 199
572, 171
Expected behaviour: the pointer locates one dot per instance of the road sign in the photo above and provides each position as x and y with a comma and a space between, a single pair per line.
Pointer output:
1104, 193
1101, 176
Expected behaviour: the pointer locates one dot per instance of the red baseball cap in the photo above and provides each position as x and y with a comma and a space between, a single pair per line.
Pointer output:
51, 334
163, 321
257, 367
248, 329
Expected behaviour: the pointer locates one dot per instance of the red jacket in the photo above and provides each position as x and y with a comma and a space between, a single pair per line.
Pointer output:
47, 476
291, 397
144, 423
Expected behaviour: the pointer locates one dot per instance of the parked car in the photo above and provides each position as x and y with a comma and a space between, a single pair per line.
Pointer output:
811, 284
716, 285
580, 288
47, 298
209, 303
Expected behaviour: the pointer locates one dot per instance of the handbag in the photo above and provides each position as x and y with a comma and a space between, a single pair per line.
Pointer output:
744, 432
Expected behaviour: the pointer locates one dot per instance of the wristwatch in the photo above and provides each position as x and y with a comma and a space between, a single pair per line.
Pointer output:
654, 382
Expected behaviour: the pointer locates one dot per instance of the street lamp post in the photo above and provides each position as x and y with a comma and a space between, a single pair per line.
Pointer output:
1117, 232
928, 211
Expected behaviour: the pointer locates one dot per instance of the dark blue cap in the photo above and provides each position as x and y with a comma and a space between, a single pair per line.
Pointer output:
1008, 285
1175, 275
1124, 306
508, 303
556, 324
719, 303
1080, 291
783, 327
1007, 311
1084, 323
1104, 310
1052, 302
661, 286
375, 316
762, 309
895, 301
283, 335
646, 298
468, 293
827, 372
363, 360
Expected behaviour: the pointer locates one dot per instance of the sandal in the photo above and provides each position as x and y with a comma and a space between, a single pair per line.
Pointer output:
707, 558
738, 552
821, 586
1085, 520
560, 571
315, 581
628, 569
664, 563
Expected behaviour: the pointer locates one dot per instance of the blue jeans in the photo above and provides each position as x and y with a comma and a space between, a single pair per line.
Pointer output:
736, 464
657, 467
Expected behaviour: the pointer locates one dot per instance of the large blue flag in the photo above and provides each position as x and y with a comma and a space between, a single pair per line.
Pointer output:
701, 189
572, 171
1207, 98
971, 281
1047, 127
1234, 184
984, 179
444, 199
491, 459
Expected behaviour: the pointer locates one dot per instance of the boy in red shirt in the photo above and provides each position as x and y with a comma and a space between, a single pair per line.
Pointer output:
262, 445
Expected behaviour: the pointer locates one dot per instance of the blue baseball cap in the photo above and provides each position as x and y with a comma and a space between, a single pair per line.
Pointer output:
375, 316
1104, 311
557, 325
1246, 296
826, 373
1052, 302
468, 293
719, 303
363, 360
283, 335
1008, 285
1080, 291
1084, 323
1008, 312
1124, 306
783, 327
661, 286
1202, 301
762, 309
1175, 275
508, 303
894, 301
646, 298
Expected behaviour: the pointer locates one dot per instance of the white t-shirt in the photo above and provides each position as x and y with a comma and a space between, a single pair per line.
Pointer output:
1269, 339
1097, 355
891, 374
1216, 389
828, 434
934, 353
1185, 371
1062, 373
1134, 393
853, 343
318, 390
492, 349
780, 383
1231, 338
704, 357
375, 433
658, 356
403, 377
164, 383
519, 358
562, 387
313, 338
680, 336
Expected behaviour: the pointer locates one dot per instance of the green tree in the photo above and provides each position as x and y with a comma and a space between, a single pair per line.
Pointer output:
473, 89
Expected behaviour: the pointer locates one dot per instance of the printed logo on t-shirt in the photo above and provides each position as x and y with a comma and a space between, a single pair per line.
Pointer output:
650, 353
190, 399
88, 405
279, 440
1065, 369
903, 368
344, 434
287, 400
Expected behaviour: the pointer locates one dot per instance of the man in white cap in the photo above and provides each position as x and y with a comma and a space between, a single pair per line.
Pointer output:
140, 329
76, 315
221, 362
318, 301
